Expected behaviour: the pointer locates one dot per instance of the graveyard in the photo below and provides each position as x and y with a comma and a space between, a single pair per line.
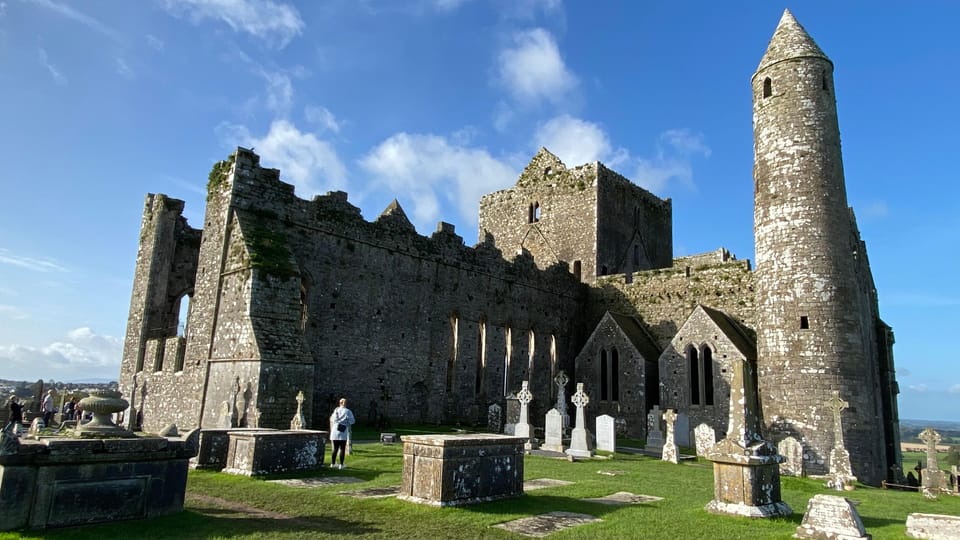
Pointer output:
668, 501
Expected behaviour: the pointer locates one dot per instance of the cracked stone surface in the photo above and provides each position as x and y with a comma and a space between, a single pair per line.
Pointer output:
540, 483
544, 524
624, 498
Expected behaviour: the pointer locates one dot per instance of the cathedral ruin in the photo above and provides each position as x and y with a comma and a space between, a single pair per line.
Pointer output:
574, 271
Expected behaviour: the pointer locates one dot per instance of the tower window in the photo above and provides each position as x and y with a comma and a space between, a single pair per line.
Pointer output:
804, 322
530, 213
577, 269
536, 211
693, 359
824, 83
767, 87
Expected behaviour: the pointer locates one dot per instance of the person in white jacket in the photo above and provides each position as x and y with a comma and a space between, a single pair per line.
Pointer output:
340, 422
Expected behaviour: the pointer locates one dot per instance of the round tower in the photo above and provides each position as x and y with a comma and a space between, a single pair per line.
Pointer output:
811, 323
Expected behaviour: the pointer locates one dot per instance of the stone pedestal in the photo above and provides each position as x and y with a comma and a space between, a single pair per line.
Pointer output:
452, 470
746, 485
59, 482
259, 452
213, 448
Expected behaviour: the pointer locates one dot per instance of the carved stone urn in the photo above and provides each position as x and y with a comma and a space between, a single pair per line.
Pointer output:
103, 404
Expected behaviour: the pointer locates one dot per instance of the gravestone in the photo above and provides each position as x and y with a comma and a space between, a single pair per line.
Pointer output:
934, 526
670, 452
705, 437
956, 479
746, 468
654, 434
494, 418
523, 427
621, 425
681, 430
606, 433
829, 516
579, 439
561, 381
225, 421
36, 426
298, 422
792, 451
512, 415
841, 475
553, 431
933, 481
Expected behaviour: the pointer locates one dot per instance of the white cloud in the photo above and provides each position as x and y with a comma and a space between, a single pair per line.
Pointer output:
573, 140
955, 389
322, 117
155, 43
502, 116
920, 388
58, 77
533, 70
530, 9
123, 69
307, 162
672, 162
273, 22
80, 17
447, 5
38, 265
279, 90
12, 312
431, 169
81, 354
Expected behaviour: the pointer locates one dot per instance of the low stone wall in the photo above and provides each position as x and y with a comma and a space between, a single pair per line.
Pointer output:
452, 470
259, 452
60, 482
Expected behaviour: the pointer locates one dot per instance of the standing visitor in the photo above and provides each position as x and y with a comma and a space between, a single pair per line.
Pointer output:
47, 408
340, 422
16, 413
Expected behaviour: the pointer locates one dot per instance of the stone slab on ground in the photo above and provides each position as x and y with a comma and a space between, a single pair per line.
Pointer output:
623, 498
318, 481
933, 526
544, 524
541, 483
373, 492
612, 472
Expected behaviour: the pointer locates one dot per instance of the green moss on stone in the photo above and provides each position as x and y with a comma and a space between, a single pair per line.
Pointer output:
269, 252
218, 175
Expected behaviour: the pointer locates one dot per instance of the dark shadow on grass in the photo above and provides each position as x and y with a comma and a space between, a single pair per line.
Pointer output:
210, 523
363, 474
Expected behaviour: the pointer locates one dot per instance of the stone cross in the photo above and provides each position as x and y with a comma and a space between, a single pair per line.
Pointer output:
561, 381
841, 471
837, 405
523, 428
670, 452
933, 480
299, 422
579, 443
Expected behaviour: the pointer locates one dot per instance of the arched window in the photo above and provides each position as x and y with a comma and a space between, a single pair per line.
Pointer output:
614, 375
183, 312
553, 363
603, 375
693, 360
823, 82
531, 349
506, 361
707, 371
454, 351
304, 312
536, 212
481, 355
767, 87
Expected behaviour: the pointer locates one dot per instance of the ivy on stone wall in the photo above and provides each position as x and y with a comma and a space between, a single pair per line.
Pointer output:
218, 175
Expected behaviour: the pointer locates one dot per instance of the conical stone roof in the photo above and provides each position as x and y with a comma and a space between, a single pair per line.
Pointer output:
789, 40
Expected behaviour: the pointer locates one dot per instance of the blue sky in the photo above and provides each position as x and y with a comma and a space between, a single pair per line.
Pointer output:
436, 102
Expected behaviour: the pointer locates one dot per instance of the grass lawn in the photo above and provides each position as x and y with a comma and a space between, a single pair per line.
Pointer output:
225, 506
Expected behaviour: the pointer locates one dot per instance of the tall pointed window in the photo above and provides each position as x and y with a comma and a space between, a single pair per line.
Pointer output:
454, 351
506, 361
481, 355
609, 375
531, 349
603, 375
701, 375
693, 360
707, 371
767, 87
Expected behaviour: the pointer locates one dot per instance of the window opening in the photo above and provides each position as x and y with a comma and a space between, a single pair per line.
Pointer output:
576, 269
614, 375
183, 311
707, 376
481, 355
531, 345
694, 362
506, 362
603, 374
804, 322
454, 351
767, 87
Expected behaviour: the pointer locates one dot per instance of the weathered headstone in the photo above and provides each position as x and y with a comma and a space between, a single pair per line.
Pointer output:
792, 450
606, 433
654, 434
225, 421
841, 475
299, 422
933, 481
579, 439
681, 429
829, 516
523, 427
670, 451
621, 426
746, 471
561, 381
36, 426
933, 526
495, 418
512, 414
705, 437
553, 431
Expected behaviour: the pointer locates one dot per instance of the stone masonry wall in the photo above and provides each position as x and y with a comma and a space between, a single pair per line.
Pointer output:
634, 227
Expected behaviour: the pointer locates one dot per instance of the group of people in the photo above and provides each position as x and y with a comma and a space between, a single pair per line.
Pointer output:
71, 410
